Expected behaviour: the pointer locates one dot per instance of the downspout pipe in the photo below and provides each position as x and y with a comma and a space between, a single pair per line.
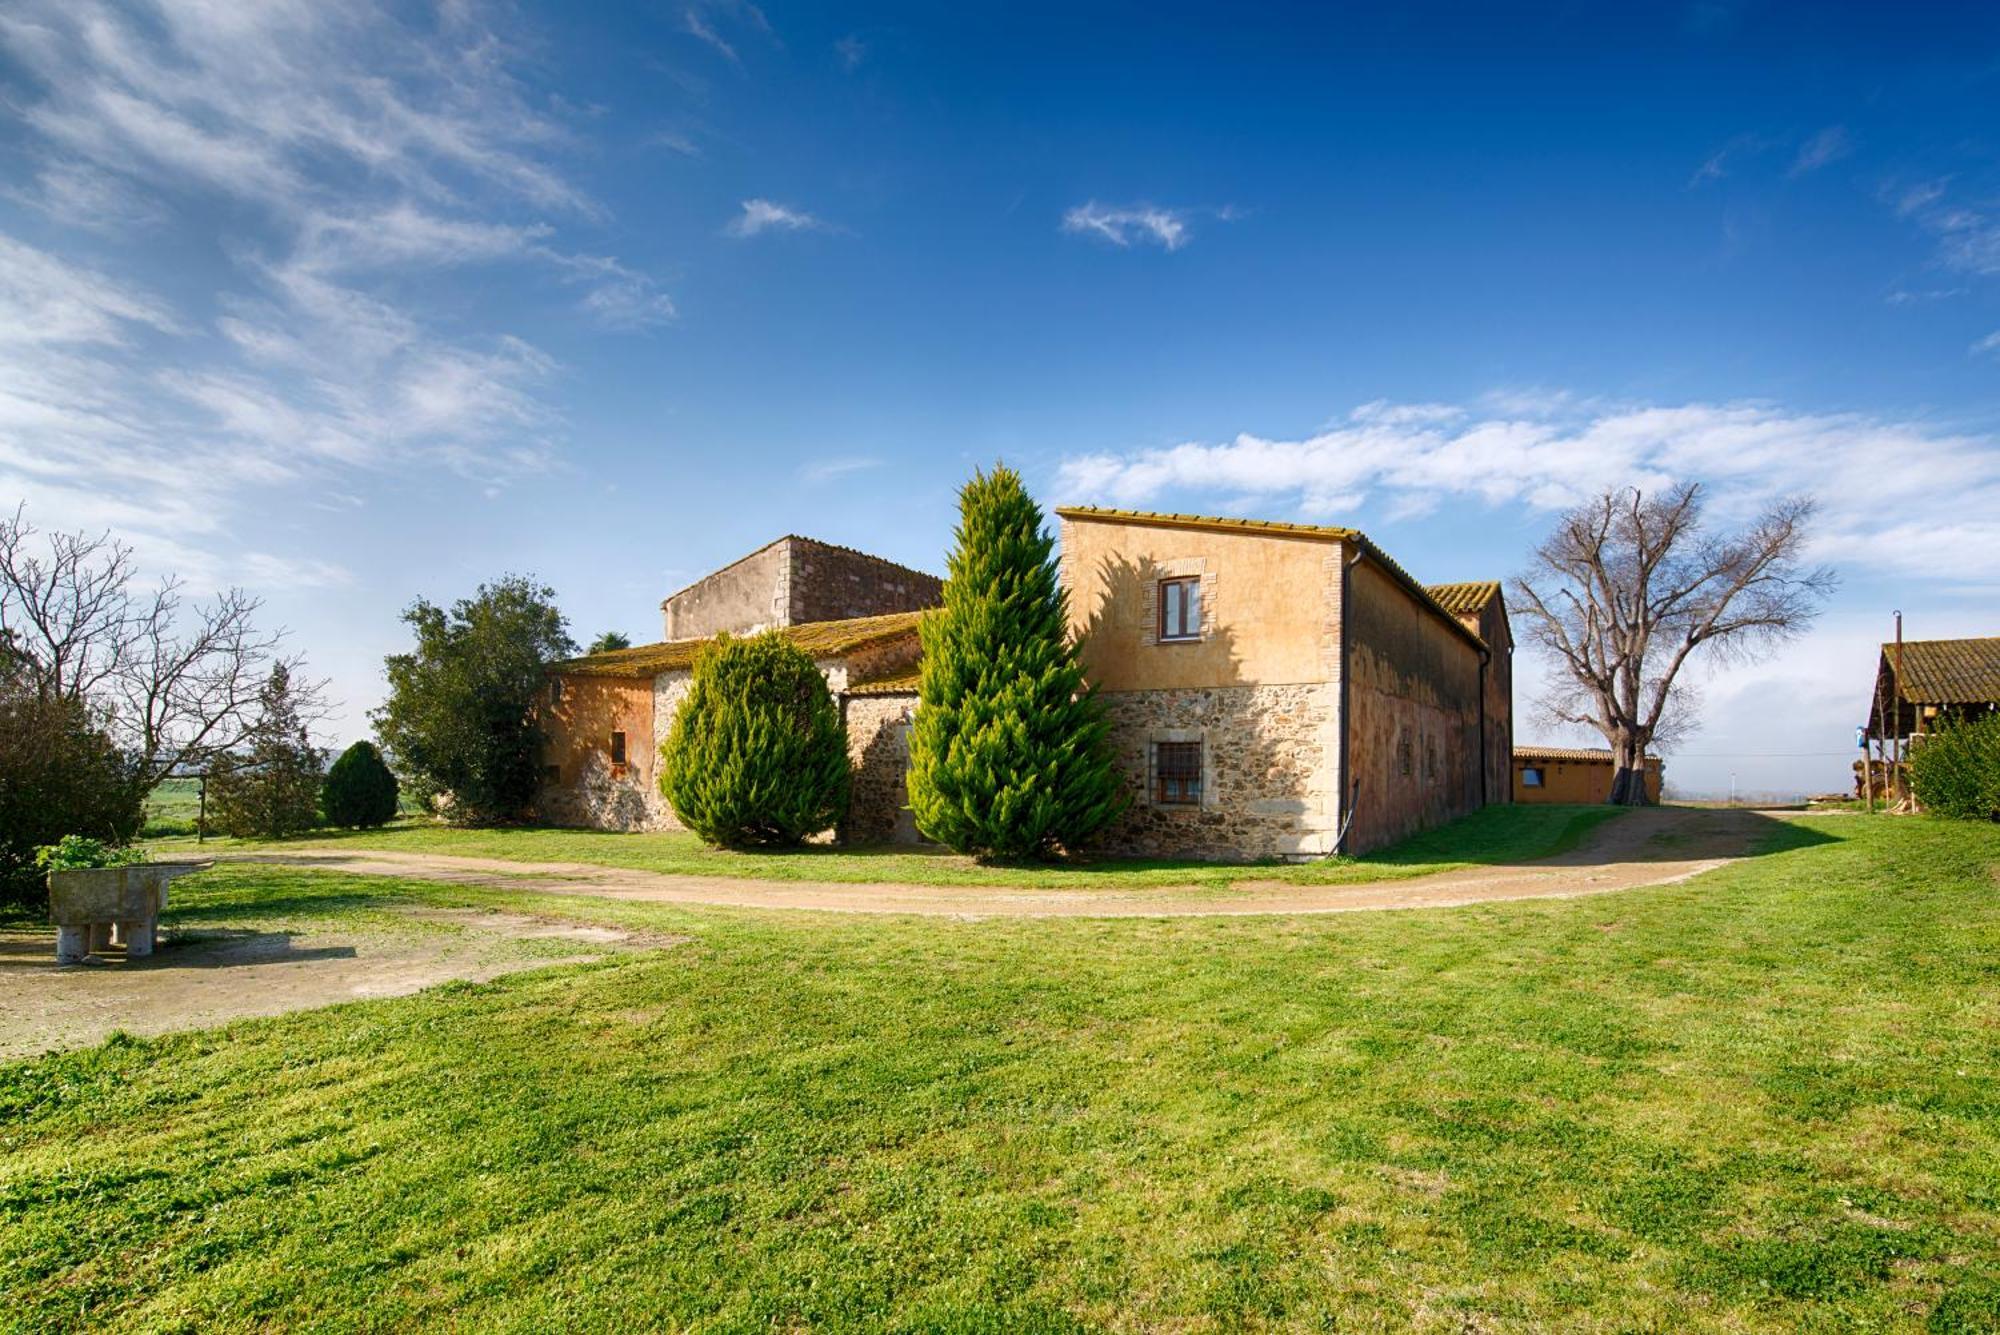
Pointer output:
1347, 781
1485, 658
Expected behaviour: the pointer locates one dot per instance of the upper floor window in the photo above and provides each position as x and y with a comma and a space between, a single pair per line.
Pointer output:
1180, 609
555, 690
617, 748
1531, 778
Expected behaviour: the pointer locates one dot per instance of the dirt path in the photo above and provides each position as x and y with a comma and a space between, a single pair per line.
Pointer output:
204, 977
1647, 847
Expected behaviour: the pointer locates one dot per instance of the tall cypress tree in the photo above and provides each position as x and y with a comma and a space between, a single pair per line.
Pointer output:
1008, 754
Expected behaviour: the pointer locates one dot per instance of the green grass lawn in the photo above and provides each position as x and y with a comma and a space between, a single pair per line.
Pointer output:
1765, 1099
1494, 834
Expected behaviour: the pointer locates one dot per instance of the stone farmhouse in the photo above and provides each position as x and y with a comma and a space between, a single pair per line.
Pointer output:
1276, 690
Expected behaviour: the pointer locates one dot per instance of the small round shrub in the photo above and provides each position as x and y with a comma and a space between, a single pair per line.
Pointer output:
1955, 771
360, 792
757, 754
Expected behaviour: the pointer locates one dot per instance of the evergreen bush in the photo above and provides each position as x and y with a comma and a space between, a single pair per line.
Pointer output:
273, 789
359, 792
1955, 771
757, 754
1008, 753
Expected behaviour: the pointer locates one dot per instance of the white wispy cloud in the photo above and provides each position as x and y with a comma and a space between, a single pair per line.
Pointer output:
1989, 344
850, 51
1967, 234
704, 20
1411, 458
762, 215
1121, 225
1821, 149
830, 470
363, 154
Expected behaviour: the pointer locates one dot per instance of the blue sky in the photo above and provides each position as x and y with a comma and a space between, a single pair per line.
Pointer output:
351, 304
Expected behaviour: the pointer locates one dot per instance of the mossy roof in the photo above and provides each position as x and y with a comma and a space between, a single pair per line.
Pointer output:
1466, 598
1947, 672
1277, 529
820, 639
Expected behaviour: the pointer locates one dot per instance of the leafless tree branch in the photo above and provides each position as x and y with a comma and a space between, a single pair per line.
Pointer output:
1630, 587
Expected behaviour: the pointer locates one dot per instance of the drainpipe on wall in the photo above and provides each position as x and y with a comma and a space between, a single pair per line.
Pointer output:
1485, 657
1353, 786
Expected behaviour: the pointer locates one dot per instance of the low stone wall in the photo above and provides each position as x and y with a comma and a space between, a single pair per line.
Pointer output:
1269, 771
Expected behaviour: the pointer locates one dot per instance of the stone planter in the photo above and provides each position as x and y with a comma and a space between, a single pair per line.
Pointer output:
96, 906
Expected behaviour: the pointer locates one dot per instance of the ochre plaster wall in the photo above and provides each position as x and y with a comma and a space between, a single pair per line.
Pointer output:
1576, 780
1269, 605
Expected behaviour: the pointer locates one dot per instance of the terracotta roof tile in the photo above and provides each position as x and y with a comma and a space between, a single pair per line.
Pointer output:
1465, 598
821, 639
1948, 672
1600, 756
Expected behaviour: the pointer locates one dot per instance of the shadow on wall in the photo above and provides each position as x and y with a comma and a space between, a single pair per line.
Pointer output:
1123, 622
1267, 784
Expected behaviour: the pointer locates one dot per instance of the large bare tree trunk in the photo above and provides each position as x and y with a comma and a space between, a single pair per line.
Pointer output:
1628, 771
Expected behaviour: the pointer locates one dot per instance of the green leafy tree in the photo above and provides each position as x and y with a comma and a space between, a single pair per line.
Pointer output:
609, 640
61, 774
458, 725
1008, 753
360, 790
272, 790
757, 754
1955, 771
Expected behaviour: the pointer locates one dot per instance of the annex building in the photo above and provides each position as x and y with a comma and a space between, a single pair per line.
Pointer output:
1275, 690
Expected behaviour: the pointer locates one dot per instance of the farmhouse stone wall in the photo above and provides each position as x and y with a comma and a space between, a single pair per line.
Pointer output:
791, 582
878, 746
1269, 770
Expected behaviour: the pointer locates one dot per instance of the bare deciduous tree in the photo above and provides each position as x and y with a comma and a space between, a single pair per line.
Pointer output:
1631, 586
175, 680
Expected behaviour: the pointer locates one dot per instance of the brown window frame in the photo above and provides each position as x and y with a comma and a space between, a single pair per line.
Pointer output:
1179, 784
1533, 777
1160, 610
617, 747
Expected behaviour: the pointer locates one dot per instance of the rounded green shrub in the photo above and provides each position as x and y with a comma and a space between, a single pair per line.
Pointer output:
757, 754
359, 792
1955, 771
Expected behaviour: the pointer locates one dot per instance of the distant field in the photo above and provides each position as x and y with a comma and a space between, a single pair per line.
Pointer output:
173, 808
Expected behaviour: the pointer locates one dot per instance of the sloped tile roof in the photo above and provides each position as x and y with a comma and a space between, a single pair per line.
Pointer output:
1465, 598
1948, 672
820, 639
1279, 529
1599, 756
902, 682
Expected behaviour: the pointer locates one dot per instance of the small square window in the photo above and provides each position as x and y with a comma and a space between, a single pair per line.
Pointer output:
1531, 777
617, 748
1180, 609
1177, 773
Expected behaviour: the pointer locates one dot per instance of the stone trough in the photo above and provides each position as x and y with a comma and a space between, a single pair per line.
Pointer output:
95, 908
